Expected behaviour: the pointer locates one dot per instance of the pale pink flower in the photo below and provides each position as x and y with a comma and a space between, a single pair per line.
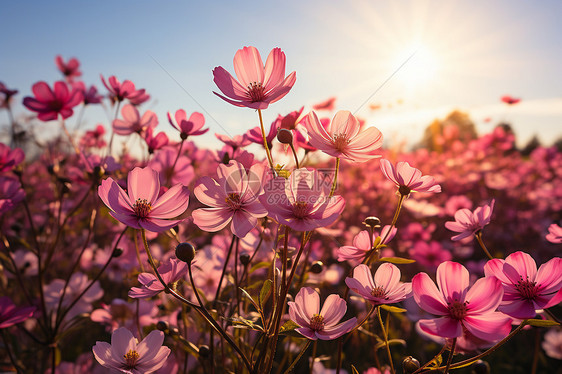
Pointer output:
188, 127
141, 207
123, 313
163, 161
382, 288
11, 315
526, 289
155, 142
232, 198
70, 68
408, 179
319, 324
328, 104
132, 121
94, 138
554, 234
552, 343
467, 223
126, 355
302, 201
362, 244
237, 141
49, 103
90, 95
10, 158
344, 138
459, 306
257, 86
120, 91
171, 271
254, 135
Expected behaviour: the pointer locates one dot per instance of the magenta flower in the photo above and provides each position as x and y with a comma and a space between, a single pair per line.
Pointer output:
319, 324
408, 179
171, 272
11, 315
188, 127
123, 313
429, 254
384, 288
362, 244
50, 103
554, 234
70, 68
459, 306
11, 193
232, 198
94, 138
6, 95
302, 201
155, 142
141, 207
126, 355
344, 138
90, 95
236, 142
120, 91
10, 158
468, 223
526, 289
132, 121
254, 135
257, 86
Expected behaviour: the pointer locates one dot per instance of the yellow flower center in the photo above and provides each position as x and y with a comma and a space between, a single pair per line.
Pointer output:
142, 207
131, 358
233, 200
317, 322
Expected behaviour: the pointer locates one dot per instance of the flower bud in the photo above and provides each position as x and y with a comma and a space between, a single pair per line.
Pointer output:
162, 325
372, 222
204, 351
481, 367
285, 136
117, 252
410, 365
185, 252
245, 259
316, 267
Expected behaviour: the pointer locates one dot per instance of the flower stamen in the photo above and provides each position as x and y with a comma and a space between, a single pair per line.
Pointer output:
142, 207
317, 322
131, 358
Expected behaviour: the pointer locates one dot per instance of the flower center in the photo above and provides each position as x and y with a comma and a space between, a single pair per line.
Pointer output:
55, 105
527, 289
340, 142
300, 209
131, 358
142, 207
256, 92
404, 190
378, 292
457, 310
317, 322
233, 201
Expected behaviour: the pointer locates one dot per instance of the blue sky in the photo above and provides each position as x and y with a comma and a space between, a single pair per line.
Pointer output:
468, 54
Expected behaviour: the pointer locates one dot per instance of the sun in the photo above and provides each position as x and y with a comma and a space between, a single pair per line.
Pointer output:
419, 66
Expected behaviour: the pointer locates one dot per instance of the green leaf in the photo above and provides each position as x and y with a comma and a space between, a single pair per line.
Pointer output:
393, 309
397, 260
259, 265
541, 323
265, 291
288, 326
251, 299
381, 344
354, 370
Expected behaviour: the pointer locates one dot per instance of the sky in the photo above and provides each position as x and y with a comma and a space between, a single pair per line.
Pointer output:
417, 60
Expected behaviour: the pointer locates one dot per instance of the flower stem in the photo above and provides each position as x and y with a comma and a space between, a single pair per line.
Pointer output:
385, 336
295, 155
290, 368
313, 356
177, 156
267, 151
481, 242
335, 183
451, 353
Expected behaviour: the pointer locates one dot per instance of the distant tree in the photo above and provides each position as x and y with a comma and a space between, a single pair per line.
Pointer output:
441, 134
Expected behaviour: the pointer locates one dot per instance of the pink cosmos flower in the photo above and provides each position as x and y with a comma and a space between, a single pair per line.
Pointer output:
11, 315
362, 244
126, 355
120, 91
94, 138
257, 86
123, 313
155, 142
163, 161
141, 207
554, 234
188, 127
344, 138
70, 68
237, 141
90, 95
50, 103
408, 179
171, 271
526, 289
552, 344
132, 121
11, 193
459, 306
301, 201
10, 158
232, 198
384, 288
510, 100
6, 95
468, 223
319, 324
254, 135
328, 104
429, 254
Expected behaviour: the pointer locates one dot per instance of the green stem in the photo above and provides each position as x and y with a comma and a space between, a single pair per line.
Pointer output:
290, 368
267, 151
313, 356
385, 336
335, 182
451, 354
478, 236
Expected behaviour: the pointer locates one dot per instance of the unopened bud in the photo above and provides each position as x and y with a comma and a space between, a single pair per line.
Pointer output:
316, 267
204, 351
372, 222
185, 252
285, 136
117, 252
245, 259
481, 367
162, 325
410, 365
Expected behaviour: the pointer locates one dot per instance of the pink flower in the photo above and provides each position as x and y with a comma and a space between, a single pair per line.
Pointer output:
171, 271
11, 315
254, 135
328, 104
90, 95
140, 207
94, 138
232, 198
132, 122
526, 289
10, 158
237, 141
155, 142
429, 255
192, 126
408, 179
50, 103
468, 223
11, 193
459, 306
384, 288
120, 91
257, 86
6, 95
163, 161
362, 244
126, 355
70, 68
343, 137
552, 343
510, 100
319, 324
121, 312
301, 201
554, 234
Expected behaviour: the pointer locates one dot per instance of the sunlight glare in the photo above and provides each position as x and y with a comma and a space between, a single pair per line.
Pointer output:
420, 69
